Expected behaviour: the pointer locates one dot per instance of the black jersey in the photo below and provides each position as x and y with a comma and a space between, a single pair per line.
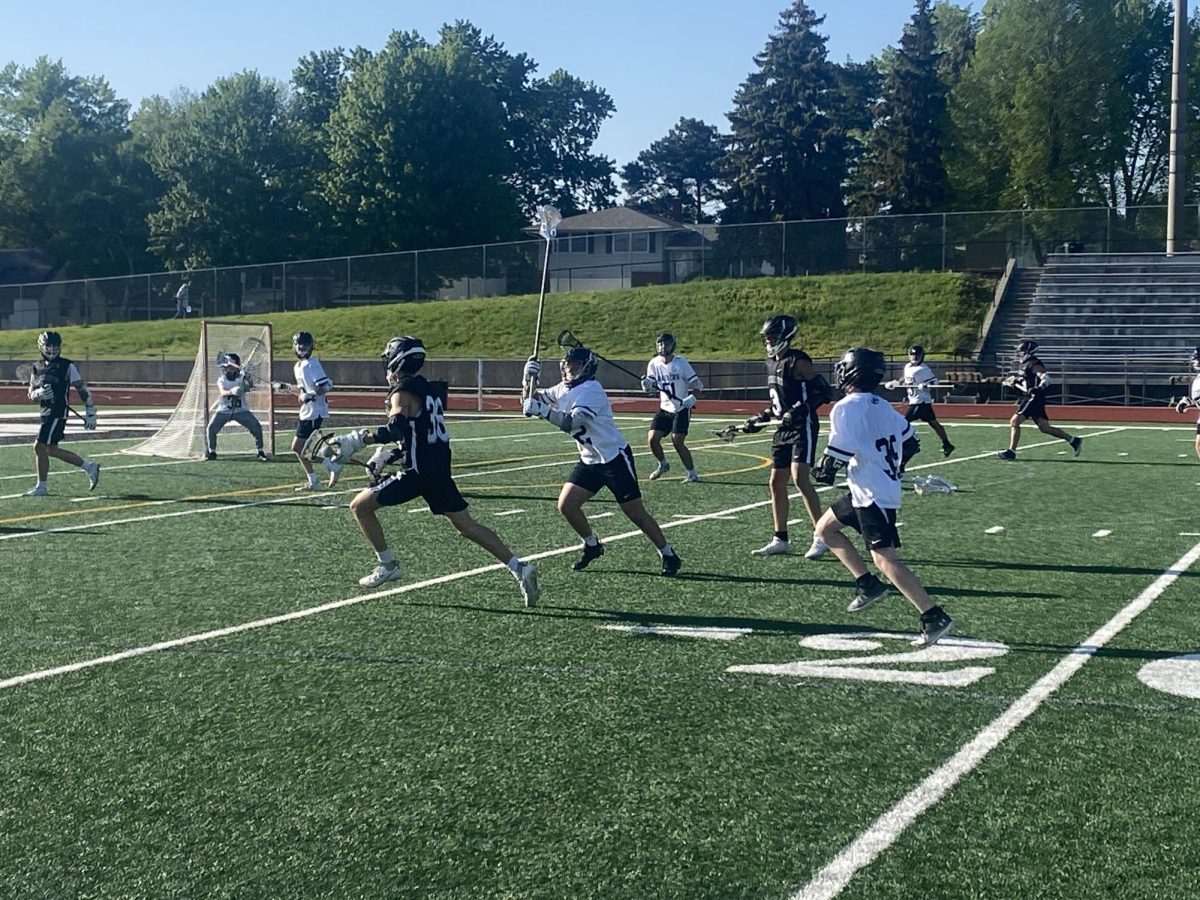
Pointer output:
57, 374
424, 439
1029, 376
790, 392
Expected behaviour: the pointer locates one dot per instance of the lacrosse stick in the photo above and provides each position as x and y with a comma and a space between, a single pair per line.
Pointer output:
27, 373
729, 432
252, 352
548, 219
568, 341
322, 446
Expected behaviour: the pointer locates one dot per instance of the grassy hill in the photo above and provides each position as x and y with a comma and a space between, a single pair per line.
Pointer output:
710, 319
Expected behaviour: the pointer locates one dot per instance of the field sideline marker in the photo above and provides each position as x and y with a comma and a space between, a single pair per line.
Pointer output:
888, 828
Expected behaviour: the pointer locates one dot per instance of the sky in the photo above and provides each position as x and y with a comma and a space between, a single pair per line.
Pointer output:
659, 60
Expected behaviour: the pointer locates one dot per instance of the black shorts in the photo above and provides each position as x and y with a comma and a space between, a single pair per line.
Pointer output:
618, 475
51, 430
1198, 428
440, 492
875, 524
1032, 406
307, 427
797, 451
920, 412
674, 423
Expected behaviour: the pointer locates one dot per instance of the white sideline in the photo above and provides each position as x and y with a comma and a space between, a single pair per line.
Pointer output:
42, 674
885, 830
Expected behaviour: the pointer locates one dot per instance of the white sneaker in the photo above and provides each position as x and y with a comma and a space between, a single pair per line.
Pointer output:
774, 547
93, 474
663, 468
381, 573
818, 549
307, 486
691, 478
527, 579
335, 471
38, 490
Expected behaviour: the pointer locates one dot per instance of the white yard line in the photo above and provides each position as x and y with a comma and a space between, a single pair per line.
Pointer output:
888, 828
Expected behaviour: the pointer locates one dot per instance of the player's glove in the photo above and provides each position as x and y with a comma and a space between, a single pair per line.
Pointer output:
282, 386
533, 369
891, 385
349, 444
649, 385
752, 426
826, 469
89, 417
535, 408
1009, 381
45, 392
335, 470
786, 420
688, 402
1182, 405
381, 459
306, 397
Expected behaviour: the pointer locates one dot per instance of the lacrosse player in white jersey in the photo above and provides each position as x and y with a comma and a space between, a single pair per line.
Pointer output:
916, 380
874, 440
678, 387
1192, 400
312, 385
579, 407
230, 406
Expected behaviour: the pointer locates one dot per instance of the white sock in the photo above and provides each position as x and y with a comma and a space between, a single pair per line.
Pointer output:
514, 565
385, 557
591, 540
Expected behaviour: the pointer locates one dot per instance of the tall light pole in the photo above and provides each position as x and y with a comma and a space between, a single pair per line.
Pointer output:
1176, 187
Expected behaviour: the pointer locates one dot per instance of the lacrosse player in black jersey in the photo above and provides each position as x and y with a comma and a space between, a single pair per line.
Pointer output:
1032, 381
417, 425
50, 381
796, 390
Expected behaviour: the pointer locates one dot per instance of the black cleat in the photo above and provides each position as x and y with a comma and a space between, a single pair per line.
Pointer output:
262, 456
1077, 444
210, 455
671, 565
590, 552
1008, 455
947, 449
874, 591
935, 625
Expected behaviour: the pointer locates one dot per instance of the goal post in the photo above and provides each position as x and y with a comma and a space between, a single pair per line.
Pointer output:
184, 434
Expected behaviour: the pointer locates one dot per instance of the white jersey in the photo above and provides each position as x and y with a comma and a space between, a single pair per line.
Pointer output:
675, 380
865, 431
1194, 394
916, 375
599, 440
227, 402
309, 376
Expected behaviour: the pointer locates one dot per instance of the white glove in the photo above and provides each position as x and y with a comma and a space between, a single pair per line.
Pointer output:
1183, 404
306, 397
335, 470
649, 385
535, 408
45, 392
688, 402
891, 385
533, 369
349, 444
89, 418
1009, 381
282, 386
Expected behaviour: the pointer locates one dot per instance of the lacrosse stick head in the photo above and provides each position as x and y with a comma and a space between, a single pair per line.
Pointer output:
568, 341
320, 446
727, 434
25, 373
547, 219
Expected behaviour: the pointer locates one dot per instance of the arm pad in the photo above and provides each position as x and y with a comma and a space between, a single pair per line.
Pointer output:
566, 422
1043, 379
393, 431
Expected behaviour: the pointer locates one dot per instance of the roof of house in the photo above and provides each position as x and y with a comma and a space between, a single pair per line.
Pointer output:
617, 218
24, 266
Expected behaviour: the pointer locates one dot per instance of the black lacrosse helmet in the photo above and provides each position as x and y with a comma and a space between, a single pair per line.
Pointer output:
578, 365
303, 345
665, 343
916, 353
1026, 349
1195, 362
403, 354
860, 367
232, 361
50, 345
777, 333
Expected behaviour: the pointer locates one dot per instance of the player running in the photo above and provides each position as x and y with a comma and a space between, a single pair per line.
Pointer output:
678, 387
1192, 400
417, 426
1032, 382
916, 380
230, 406
796, 393
578, 406
312, 385
50, 382
870, 437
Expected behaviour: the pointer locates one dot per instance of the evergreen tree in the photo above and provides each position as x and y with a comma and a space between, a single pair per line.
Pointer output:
679, 175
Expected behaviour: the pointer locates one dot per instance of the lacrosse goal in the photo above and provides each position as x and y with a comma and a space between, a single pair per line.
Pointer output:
183, 435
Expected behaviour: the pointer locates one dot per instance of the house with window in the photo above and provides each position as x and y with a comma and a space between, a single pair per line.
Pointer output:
624, 247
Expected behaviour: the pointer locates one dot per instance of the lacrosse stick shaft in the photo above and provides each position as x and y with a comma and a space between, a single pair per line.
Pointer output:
568, 341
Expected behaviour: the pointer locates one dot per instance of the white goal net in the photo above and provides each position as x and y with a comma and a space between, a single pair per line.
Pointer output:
184, 434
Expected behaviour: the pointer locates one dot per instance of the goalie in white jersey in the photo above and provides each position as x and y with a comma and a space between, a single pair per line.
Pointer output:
579, 407
874, 441
1192, 400
230, 406
677, 386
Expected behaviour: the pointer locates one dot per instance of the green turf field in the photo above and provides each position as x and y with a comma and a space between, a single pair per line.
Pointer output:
193, 703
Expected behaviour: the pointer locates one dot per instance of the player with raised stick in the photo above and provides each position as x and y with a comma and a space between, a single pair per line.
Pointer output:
1192, 400
578, 406
50, 380
417, 424
678, 387
871, 439
1032, 382
230, 406
917, 380
797, 391
312, 385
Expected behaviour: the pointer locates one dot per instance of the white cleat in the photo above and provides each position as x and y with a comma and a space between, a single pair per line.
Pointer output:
335, 471
527, 579
663, 468
38, 490
818, 549
307, 486
93, 474
774, 547
381, 573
